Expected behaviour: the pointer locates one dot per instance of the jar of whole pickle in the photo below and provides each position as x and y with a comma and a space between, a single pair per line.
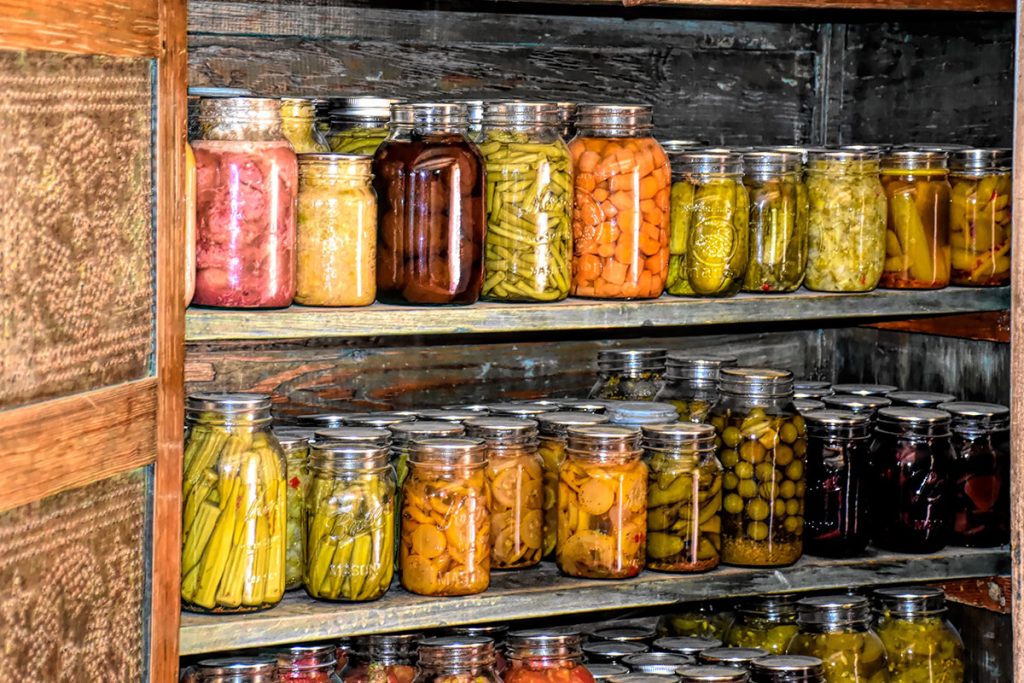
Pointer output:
190, 224
922, 646
845, 221
640, 413
390, 654
763, 449
336, 233
307, 664
514, 478
431, 222
446, 524
295, 446
566, 120
456, 659
767, 622
838, 482
787, 669
372, 436
234, 670
912, 463
359, 124
474, 119
691, 383
685, 645
920, 399
602, 504
981, 473
704, 621
528, 247
234, 511
837, 630
612, 650
629, 374
864, 389
680, 209
246, 179
545, 658
778, 222
917, 234
980, 216
403, 434
707, 673
298, 123
350, 522
737, 657
684, 497
620, 217
812, 389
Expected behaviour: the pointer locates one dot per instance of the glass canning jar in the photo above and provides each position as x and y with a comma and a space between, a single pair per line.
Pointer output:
497, 633
912, 463
685, 645
778, 221
456, 659
691, 383
404, 433
806, 405
629, 374
394, 653
812, 389
528, 247
837, 630
307, 664
446, 523
626, 634
431, 224
919, 399
246, 179
233, 670
514, 478
981, 473
602, 672
680, 210
359, 124
922, 646
295, 446
861, 405
980, 216
859, 389
373, 436
602, 504
611, 650
336, 232
917, 235
234, 512
684, 497
545, 658
707, 673
657, 663
298, 123
640, 413
736, 657
763, 448
190, 224
620, 215
838, 483
787, 669
767, 622
703, 621
846, 221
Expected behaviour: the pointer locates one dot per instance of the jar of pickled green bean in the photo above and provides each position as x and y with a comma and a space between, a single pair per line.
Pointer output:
767, 622
921, 644
528, 245
295, 444
778, 222
359, 124
837, 630
298, 123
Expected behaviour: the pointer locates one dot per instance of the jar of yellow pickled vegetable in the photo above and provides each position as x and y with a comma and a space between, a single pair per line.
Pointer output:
403, 434
336, 231
680, 208
295, 445
764, 444
359, 124
837, 630
684, 497
778, 222
445, 546
528, 245
234, 512
602, 504
691, 383
980, 217
554, 429
629, 374
767, 622
846, 221
298, 123
922, 646
704, 620
514, 477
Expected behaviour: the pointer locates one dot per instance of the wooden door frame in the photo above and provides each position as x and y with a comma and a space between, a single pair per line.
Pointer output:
1016, 357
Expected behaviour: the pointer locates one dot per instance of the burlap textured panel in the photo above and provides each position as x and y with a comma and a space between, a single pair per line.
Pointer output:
76, 242
71, 585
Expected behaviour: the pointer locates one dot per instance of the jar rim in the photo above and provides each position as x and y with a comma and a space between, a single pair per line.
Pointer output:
833, 610
686, 645
291, 437
854, 404
238, 665
381, 419
805, 664
910, 600
228, 402
734, 655
711, 673
363, 107
373, 435
981, 159
861, 389
500, 428
404, 432
905, 416
449, 451
914, 159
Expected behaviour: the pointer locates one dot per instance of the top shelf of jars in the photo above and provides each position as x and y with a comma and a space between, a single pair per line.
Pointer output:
879, 5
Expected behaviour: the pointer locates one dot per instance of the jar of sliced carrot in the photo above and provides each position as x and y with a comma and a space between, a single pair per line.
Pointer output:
621, 211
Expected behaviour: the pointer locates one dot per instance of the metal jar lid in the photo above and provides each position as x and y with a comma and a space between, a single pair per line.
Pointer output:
474, 110
679, 434
378, 436
697, 367
969, 416
788, 669
731, 656
833, 610
811, 389
676, 146
520, 410
233, 668
453, 415
629, 634
856, 404
380, 419
936, 422
602, 672
711, 162
456, 651
386, 647
335, 166
857, 389
585, 406
804, 151
761, 382
686, 645
558, 424
659, 663
448, 452
227, 403
780, 607
980, 160
519, 113
292, 438
500, 429
632, 361
611, 651
845, 155
811, 384
604, 437
765, 162
636, 413
543, 644
643, 678
432, 115
920, 399
472, 407
627, 116
322, 420
711, 674
335, 455
404, 432
838, 422
495, 632
915, 159
306, 657
910, 601
363, 108
806, 405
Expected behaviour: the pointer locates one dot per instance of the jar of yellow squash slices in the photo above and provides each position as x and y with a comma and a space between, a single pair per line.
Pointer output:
980, 217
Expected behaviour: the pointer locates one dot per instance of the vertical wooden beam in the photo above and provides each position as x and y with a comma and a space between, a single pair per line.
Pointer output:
1017, 358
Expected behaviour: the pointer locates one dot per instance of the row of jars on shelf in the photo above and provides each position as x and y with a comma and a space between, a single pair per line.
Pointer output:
435, 218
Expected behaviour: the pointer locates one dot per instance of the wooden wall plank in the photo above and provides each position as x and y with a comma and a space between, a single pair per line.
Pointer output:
990, 326
122, 28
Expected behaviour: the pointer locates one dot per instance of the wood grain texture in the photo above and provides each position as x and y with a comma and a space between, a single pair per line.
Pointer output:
1005, 6
987, 657
991, 326
991, 593
122, 28
69, 442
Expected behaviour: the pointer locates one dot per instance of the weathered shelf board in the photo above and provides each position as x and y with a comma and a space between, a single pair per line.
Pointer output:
543, 592
298, 322
935, 5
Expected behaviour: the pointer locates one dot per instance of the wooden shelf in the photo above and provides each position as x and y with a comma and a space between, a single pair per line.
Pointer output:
380, 320
543, 592
1007, 6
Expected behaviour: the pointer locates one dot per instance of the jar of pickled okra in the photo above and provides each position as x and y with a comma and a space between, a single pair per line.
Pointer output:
640, 413
691, 383
235, 505
545, 658
920, 642
919, 399
837, 630
392, 655
764, 444
778, 221
704, 621
811, 389
456, 659
685, 645
298, 123
684, 497
912, 467
602, 504
980, 217
857, 389
736, 657
404, 433
629, 374
787, 669
307, 664
295, 446
553, 429
621, 212
359, 124
680, 209
372, 436
445, 546
528, 247
846, 234
981, 474
917, 233
234, 670
707, 673
767, 622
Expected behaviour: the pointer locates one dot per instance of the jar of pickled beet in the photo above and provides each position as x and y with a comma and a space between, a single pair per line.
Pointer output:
764, 444
246, 180
767, 622
629, 374
708, 673
307, 664
858, 389
431, 217
621, 213
778, 221
981, 473
920, 642
298, 123
456, 659
980, 216
787, 669
837, 630
295, 445
861, 405
233, 670
640, 413
390, 654
359, 124
545, 658
838, 483
602, 504
920, 399
691, 383
912, 466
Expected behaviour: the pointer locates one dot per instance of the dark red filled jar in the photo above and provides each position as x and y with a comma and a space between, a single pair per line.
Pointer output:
307, 664
545, 657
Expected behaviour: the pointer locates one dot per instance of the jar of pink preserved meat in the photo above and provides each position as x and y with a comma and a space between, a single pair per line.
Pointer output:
245, 205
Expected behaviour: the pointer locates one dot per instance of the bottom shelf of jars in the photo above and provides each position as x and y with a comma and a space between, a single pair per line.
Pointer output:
543, 591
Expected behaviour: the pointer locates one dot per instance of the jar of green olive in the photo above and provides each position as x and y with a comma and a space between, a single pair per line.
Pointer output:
921, 644
767, 622
837, 630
